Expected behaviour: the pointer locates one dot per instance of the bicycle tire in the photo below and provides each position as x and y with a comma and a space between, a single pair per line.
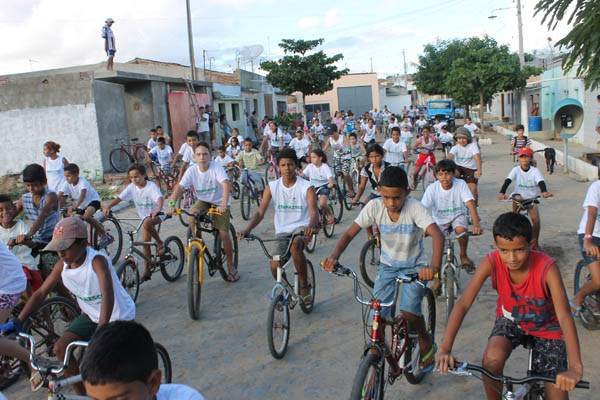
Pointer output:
113, 227
310, 277
328, 229
582, 275
129, 276
119, 160
220, 257
346, 201
338, 204
449, 290
279, 306
369, 261
164, 363
271, 174
235, 190
245, 203
194, 285
310, 246
412, 341
355, 179
185, 202
171, 264
139, 153
374, 381
428, 178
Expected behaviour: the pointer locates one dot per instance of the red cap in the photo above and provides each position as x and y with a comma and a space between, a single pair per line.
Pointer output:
526, 151
65, 233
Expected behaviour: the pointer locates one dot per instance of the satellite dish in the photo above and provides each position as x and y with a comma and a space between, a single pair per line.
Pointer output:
250, 53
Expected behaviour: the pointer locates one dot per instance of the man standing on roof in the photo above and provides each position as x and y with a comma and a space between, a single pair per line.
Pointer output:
109, 43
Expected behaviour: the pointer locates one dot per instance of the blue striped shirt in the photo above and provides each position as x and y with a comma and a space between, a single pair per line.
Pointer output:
44, 234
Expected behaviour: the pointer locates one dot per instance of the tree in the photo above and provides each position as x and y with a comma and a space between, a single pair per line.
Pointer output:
583, 41
435, 64
308, 74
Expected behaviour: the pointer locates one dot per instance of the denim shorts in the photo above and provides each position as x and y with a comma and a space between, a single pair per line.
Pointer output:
595, 241
411, 294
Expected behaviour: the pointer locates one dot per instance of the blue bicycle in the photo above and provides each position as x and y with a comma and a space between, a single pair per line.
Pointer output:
249, 193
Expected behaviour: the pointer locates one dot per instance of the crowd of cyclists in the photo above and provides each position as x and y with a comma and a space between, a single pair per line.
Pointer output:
46, 252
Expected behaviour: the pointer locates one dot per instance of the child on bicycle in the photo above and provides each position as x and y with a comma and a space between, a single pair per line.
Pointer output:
234, 147
468, 160
235, 133
152, 141
406, 137
54, 166
319, 174
121, 363
91, 278
425, 146
527, 179
273, 139
445, 140
357, 149
531, 302
395, 150
163, 154
86, 199
250, 158
212, 187
401, 221
448, 199
222, 158
301, 144
589, 243
295, 206
520, 141
342, 158
149, 202
186, 152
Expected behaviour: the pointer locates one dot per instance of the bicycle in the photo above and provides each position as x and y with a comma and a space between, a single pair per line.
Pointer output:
186, 201
233, 173
284, 297
342, 200
166, 177
426, 173
249, 193
355, 169
272, 172
198, 254
533, 387
128, 152
401, 352
524, 205
50, 371
590, 309
170, 263
328, 228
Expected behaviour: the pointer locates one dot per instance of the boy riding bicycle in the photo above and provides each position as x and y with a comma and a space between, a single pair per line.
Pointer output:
401, 221
531, 302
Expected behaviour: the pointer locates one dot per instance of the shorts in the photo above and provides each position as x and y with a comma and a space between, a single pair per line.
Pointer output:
257, 180
110, 53
467, 174
423, 157
83, 327
372, 141
458, 221
204, 136
342, 164
323, 191
34, 278
9, 301
221, 221
549, 355
96, 204
282, 245
411, 295
446, 145
595, 242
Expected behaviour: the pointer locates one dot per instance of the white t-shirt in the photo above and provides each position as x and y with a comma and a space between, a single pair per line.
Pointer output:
465, 156
340, 150
370, 134
23, 253
12, 277
223, 161
287, 138
173, 391
406, 136
206, 184
55, 173
318, 176
300, 146
163, 155
446, 205
188, 156
446, 137
592, 198
75, 192
274, 139
472, 128
401, 241
152, 143
183, 148
291, 205
421, 122
238, 137
394, 151
203, 125
526, 182
145, 199
407, 124
318, 130
234, 151
438, 127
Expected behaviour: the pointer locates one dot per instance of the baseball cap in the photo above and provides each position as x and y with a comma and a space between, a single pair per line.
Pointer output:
206, 106
331, 129
65, 233
462, 132
109, 20
526, 151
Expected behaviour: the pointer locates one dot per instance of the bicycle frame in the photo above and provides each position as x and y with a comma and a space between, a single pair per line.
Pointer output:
248, 182
133, 250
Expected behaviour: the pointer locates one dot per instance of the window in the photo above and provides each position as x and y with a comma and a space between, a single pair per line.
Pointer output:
222, 109
281, 107
235, 112
256, 105
439, 105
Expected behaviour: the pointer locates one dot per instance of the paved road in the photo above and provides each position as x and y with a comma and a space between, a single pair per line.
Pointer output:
225, 354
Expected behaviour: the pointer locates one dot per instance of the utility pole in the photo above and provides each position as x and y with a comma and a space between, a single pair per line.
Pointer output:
405, 71
204, 64
524, 120
190, 39
371, 64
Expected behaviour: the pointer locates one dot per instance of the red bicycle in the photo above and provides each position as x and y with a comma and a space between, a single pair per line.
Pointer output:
128, 152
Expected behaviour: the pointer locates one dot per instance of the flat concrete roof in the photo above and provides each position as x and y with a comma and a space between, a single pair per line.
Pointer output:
130, 77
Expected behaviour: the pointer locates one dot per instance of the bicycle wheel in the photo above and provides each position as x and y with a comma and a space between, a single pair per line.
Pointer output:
310, 281
337, 204
278, 326
369, 261
220, 256
235, 190
10, 371
140, 153
49, 323
369, 379
129, 276
271, 173
112, 227
347, 202
194, 289
582, 276
428, 177
310, 246
449, 289
185, 202
171, 263
245, 203
119, 160
412, 354
164, 363
328, 228
355, 179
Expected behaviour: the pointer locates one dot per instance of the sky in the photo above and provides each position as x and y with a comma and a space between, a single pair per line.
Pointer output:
46, 34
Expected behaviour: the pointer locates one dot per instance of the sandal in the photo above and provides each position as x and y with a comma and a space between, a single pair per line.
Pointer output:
469, 267
145, 278
577, 309
232, 277
303, 299
430, 354
36, 381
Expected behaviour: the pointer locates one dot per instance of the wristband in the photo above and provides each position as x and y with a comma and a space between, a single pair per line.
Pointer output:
588, 236
171, 204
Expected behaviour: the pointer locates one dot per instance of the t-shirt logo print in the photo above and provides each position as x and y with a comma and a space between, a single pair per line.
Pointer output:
58, 230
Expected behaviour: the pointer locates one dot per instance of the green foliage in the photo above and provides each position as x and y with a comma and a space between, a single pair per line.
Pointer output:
583, 41
288, 120
435, 64
296, 71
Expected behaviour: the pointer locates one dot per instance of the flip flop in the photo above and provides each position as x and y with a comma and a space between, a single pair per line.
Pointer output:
469, 267
232, 277
577, 309
303, 299
430, 353
145, 278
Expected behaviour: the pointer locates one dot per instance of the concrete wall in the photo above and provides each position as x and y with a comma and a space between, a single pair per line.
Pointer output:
160, 100
140, 109
37, 109
368, 79
394, 103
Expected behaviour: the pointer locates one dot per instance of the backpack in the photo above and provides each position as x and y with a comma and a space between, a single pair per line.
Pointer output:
369, 172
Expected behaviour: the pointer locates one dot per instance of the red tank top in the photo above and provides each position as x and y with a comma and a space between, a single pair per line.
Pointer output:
528, 303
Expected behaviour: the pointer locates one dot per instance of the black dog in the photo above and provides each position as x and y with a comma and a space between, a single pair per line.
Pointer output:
550, 155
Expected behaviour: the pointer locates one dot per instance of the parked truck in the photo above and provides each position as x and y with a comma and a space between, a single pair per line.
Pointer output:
444, 110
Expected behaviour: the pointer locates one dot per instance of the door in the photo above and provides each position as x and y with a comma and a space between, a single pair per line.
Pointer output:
269, 105
359, 99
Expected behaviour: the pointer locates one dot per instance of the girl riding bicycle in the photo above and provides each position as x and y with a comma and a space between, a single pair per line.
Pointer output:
319, 174
426, 145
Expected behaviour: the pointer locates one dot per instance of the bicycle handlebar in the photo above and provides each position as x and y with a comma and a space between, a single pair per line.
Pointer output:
275, 257
51, 370
526, 201
464, 368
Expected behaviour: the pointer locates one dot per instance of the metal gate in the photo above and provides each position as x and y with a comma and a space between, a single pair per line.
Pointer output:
359, 99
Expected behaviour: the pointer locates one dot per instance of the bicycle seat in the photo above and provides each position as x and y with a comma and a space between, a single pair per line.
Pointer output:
134, 139
528, 342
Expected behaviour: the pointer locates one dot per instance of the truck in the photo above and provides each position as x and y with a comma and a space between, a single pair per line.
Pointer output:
444, 110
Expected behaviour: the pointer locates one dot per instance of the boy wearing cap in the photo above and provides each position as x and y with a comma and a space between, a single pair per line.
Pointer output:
91, 278
527, 179
109, 43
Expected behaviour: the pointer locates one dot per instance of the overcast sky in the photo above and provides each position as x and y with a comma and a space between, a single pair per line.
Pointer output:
45, 34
